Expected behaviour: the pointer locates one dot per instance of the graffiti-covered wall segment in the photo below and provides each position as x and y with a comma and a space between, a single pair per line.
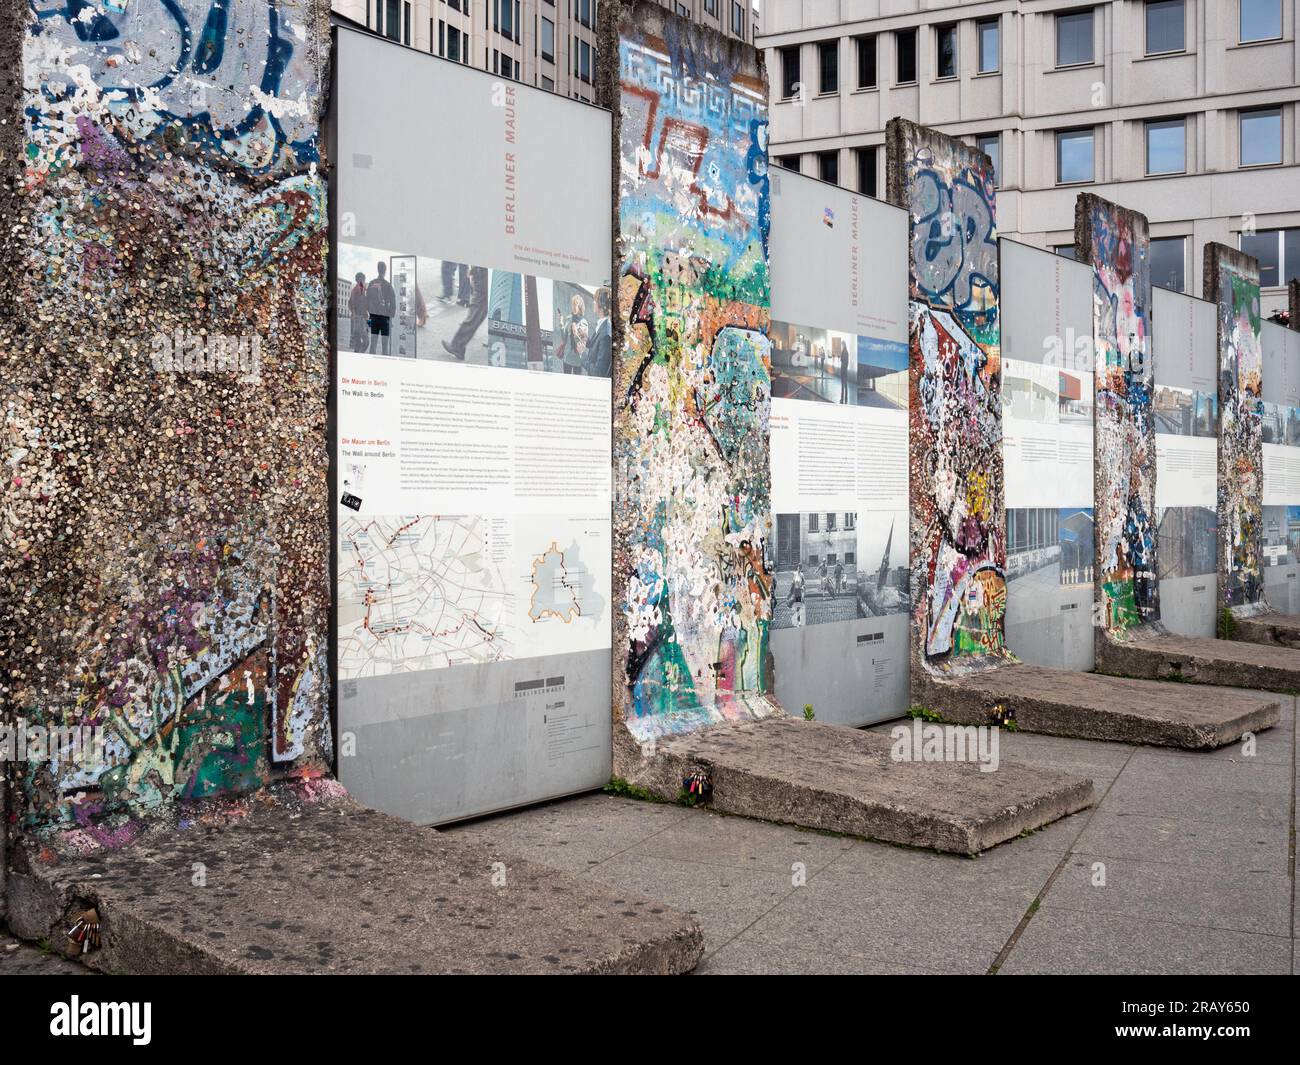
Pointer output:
164, 522
693, 381
1113, 241
1232, 285
958, 524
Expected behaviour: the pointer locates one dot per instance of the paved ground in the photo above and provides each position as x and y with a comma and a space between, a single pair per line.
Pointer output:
1198, 855
1195, 848
23, 959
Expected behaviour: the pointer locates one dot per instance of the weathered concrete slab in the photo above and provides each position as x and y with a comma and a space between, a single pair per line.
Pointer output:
335, 888
839, 779
1061, 702
1202, 660
1278, 630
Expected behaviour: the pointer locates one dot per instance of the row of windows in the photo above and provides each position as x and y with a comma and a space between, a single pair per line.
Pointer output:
1258, 20
453, 44
832, 521
1278, 252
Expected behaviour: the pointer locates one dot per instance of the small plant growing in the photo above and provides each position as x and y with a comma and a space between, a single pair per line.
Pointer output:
1227, 624
808, 713
924, 714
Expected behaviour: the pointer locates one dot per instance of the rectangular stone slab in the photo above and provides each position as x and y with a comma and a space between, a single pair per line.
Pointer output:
1202, 660
1278, 630
1092, 706
337, 888
839, 779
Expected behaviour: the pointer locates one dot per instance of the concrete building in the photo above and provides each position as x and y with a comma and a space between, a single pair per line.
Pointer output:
547, 43
1185, 110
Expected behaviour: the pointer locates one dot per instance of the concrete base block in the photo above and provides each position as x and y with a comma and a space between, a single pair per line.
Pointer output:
839, 779
335, 888
1092, 706
1202, 660
1277, 630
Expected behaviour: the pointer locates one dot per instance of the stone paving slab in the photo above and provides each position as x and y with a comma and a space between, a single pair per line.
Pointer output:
1279, 630
22, 959
336, 888
1069, 703
1202, 660
838, 779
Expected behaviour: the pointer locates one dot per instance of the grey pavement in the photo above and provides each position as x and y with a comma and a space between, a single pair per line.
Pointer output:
23, 959
1185, 865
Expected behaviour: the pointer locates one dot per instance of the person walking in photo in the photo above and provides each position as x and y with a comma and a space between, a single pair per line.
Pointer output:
357, 313
844, 372
839, 578
475, 317
575, 333
598, 359
381, 303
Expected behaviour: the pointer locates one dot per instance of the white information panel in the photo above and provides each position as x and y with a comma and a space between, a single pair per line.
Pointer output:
473, 436
839, 452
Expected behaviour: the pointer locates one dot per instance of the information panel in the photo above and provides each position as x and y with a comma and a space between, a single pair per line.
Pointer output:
1281, 395
839, 452
1185, 406
1047, 395
473, 441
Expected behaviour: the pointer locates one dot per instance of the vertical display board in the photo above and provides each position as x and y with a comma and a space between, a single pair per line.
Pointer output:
473, 436
1185, 411
839, 452
1047, 396
1281, 534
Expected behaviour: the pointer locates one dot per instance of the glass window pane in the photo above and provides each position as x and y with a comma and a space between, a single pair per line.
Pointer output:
867, 62
829, 53
1074, 156
829, 166
1065, 251
1164, 26
989, 50
947, 51
1167, 261
905, 42
1074, 38
1265, 246
991, 146
1261, 20
789, 71
1290, 254
1166, 147
1261, 137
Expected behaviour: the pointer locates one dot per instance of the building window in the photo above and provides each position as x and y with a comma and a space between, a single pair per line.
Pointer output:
905, 42
814, 525
828, 65
1074, 38
453, 44
987, 33
1167, 146
991, 145
790, 162
1065, 251
1261, 137
1074, 156
442, 35
867, 172
548, 83
583, 9
711, 7
866, 48
1278, 252
1164, 26
1168, 262
548, 40
828, 167
945, 51
684, 11
789, 72
738, 21
1260, 20
584, 61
